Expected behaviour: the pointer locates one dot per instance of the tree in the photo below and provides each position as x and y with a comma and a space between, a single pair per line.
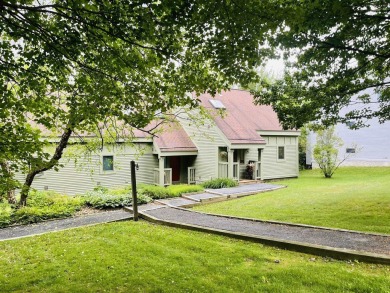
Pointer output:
336, 50
326, 151
69, 67
302, 146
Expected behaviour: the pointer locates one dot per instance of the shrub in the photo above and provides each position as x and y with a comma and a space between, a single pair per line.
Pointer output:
41, 205
219, 183
160, 192
5, 214
34, 214
125, 190
49, 198
102, 199
178, 190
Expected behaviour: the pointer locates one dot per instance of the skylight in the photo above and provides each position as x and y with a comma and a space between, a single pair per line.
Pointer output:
217, 104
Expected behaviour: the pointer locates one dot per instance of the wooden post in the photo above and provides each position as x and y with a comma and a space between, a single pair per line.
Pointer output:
134, 190
161, 172
230, 163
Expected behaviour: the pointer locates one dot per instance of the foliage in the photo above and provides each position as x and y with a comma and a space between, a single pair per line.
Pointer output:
338, 54
160, 192
302, 141
357, 199
107, 67
302, 146
326, 151
34, 214
103, 198
99, 258
5, 214
43, 205
219, 183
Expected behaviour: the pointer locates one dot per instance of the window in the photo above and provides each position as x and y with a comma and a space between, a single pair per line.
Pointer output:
223, 154
350, 150
108, 163
259, 155
281, 153
217, 104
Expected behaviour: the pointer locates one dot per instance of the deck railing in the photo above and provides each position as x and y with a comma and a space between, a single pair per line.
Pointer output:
224, 173
167, 176
236, 171
223, 169
191, 175
258, 170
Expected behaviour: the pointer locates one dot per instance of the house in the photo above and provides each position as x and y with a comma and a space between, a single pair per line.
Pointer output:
240, 141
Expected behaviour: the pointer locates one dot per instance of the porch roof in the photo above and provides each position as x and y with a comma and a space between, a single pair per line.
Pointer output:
173, 138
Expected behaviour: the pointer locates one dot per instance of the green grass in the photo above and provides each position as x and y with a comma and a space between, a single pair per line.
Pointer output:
142, 257
355, 198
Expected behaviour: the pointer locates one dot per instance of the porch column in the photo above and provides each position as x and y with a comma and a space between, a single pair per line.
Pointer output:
161, 165
230, 163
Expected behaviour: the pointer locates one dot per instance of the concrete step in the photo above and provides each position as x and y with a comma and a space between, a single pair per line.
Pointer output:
177, 202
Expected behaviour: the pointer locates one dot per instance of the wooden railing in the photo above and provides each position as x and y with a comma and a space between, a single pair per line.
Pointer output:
224, 173
167, 176
236, 171
258, 170
191, 175
223, 169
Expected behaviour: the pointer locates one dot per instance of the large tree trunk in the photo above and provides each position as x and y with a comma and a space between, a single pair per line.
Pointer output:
45, 166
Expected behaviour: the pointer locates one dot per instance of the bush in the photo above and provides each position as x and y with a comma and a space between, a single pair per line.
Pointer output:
52, 198
105, 198
31, 214
160, 192
5, 214
41, 205
219, 183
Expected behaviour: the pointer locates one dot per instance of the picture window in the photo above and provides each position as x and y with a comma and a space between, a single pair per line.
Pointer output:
108, 163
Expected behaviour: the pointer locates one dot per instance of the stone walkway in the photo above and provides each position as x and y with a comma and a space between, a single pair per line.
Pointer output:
317, 240
63, 224
316, 236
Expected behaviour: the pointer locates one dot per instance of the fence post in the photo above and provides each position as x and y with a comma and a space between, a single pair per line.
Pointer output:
134, 190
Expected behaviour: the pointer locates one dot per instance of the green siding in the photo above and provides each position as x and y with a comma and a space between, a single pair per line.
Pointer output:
72, 179
272, 167
207, 139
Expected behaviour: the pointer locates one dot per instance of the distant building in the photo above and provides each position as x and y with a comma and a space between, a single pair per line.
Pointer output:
368, 146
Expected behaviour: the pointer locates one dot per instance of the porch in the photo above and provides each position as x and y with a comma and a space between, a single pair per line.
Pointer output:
175, 170
239, 163
252, 171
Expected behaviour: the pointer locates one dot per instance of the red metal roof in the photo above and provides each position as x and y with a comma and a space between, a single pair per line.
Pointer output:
242, 118
173, 138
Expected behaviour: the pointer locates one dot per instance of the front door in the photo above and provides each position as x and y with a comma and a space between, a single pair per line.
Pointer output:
175, 165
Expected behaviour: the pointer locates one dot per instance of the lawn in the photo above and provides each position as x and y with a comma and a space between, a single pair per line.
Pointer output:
142, 257
355, 198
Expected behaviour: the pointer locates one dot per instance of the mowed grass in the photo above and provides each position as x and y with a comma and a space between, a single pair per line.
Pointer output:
355, 198
142, 257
